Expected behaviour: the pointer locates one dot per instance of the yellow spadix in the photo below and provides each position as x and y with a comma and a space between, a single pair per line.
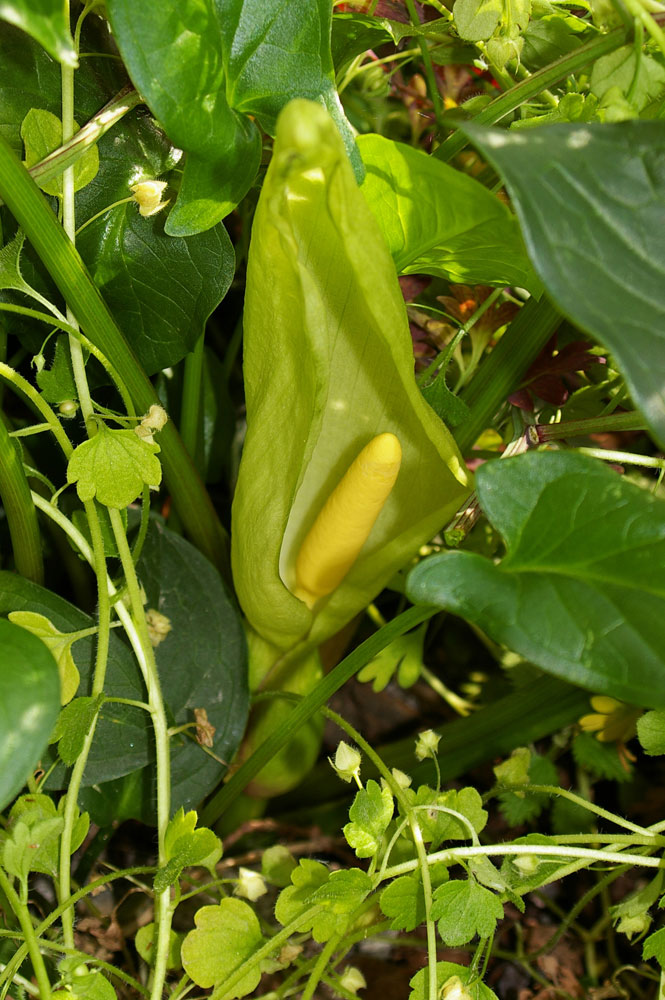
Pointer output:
345, 521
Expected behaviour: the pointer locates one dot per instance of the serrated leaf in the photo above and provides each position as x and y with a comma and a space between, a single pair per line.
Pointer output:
644, 80
518, 810
306, 879
651, 733
452, 410
445, 971
477, 20
438, 220
34, 829
654, 947
225, 936
601, 759
370, 815
403, 900
93, 986
437, 825
47, 22
463, 909
73, 726
29, 704
114, 466
60, 645
184, 846
41, 132
581, 591
591, 231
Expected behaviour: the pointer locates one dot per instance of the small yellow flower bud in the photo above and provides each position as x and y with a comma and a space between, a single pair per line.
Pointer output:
159, 626
427, 744
251, 885
347, 762
148, 196
454, 989
353, 979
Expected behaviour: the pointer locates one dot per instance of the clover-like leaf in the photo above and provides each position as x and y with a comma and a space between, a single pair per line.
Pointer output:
114, 466
370, 815
184, 845
225, 936
60, 644
436, 825
464, 909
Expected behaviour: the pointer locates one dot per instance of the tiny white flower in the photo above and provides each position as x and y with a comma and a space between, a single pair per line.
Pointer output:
148, 196
251, 885
347, 762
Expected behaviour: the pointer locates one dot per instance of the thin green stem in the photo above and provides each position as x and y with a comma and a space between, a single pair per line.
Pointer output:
632, 421
320, 966
644, 17
623, 457
579, 801
19, 509
163, 910
101, 660
430, 76
30, 935
39, 404
98, 215
534, 85
191, 411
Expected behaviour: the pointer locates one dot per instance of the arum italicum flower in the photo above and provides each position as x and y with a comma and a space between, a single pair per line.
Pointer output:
346, 471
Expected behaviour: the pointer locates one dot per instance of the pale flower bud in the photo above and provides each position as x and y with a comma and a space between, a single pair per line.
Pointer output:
353, 979
251, 885
402, 779
427, 744
148, 196
347, 762
454, 989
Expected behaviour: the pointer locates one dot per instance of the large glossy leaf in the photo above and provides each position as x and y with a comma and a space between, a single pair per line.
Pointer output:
160, 290
201, 662
29, 705
581, 590
591, 202
203, 66
323, 311
437, 220
46, 21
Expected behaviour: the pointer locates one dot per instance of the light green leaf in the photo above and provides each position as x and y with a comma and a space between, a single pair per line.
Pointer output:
60, 644
29, 705
10, 265
48, 23
477, 20
225, 936
437, 825
654, 947
651, 733
144, 944
114, 466
57, 382
445, 971
306, 879
333, 302
370, 815
581, 591
403, 657
277, 864
591, 202
437, 220
464, 909
184, 846
514, 770
403, 900
41, 132
93, 986
34, 829
644, 81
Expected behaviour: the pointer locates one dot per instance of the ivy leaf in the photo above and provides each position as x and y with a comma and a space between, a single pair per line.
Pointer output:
651, 733
113, 466
342, 892
41, 132
581, 591
225, 936
306, 879
370, 815
184, 846
654, 947
437, 826
403, 900
464, 909
60, 644
73, 726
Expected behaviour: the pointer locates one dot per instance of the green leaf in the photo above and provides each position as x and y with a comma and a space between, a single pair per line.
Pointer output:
184, 846
437, 220
518, 810
225, 937
277, 864
41, 132
60, 644
654, 947
33, 835
57, 382
93, 986
651, 733
370, 815
306, 879
526, 872
403, 657
601, 759
403, 900
446, 971
29, 704
73, 725
335, 300
477, 20
48, 23
464, 909
591, 202
114, 466
581, 590
437, 825
644, 81
631, 913
144, 943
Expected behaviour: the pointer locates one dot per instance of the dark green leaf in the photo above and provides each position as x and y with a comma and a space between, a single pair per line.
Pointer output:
48, 23
581, 590
591, 201
601, 759
57, 382
73, 725
29, 703
464, 909
437, 220
651, 733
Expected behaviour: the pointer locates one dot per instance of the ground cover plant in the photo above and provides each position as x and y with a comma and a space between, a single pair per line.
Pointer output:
332, 592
